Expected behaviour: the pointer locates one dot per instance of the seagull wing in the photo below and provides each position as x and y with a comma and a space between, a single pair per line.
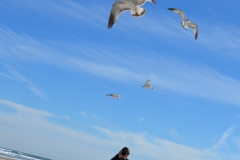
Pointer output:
138, 2
178, 11
117, 8
142, 2
195, 27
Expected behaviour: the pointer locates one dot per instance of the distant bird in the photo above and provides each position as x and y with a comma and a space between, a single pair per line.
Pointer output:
125, 5
186, 22
148, 85
114, 96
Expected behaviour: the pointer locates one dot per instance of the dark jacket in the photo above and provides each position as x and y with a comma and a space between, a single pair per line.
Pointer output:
117, 157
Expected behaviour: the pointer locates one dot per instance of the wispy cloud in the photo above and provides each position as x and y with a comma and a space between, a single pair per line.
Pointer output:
236, 141
96, 120
218, 39
6, 76
69, 119
20, 67
221, 40
225, 138
145, 146
175, 133
141, 119
91, 13
17, 76
25, 110
37, 92
89, 117
31, 126
174, 75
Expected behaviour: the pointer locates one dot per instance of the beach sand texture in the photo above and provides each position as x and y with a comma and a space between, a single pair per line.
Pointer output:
6, 158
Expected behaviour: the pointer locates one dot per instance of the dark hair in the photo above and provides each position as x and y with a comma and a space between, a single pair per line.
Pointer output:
125, 151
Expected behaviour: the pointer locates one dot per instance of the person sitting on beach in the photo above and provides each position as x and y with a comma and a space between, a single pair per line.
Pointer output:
122, 155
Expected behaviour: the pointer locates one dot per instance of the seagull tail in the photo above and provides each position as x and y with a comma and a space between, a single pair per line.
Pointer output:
139, 12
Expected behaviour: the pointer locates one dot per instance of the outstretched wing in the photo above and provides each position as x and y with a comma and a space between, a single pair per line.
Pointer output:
195, 27
117, 8
178, 11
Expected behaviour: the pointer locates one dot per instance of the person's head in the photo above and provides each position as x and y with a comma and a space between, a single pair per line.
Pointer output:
123, 153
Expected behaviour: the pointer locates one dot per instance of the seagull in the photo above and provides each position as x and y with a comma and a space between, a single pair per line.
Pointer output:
186, 22
114, 96
125, 5
147, 85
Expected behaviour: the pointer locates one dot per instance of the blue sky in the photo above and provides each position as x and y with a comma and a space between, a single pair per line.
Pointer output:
58, 60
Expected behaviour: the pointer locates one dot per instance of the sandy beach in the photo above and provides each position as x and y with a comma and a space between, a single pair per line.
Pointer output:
6, 158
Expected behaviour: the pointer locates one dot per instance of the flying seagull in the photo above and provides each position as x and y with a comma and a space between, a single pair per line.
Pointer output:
186, 22
114, 96
127, 5
148, 85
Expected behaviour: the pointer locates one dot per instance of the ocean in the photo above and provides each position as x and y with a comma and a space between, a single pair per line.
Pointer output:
6, 154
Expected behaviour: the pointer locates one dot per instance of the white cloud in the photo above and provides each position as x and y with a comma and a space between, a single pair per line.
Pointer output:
237, 142
146, 147
222, 40
66, 9
171, 74
24, 69
229, 140
26, 110
175, 133
68, 118
15, 75
94, 119
224, 137
90, 117
141, 119
30, 127
209, 36
6, 76
37, 92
